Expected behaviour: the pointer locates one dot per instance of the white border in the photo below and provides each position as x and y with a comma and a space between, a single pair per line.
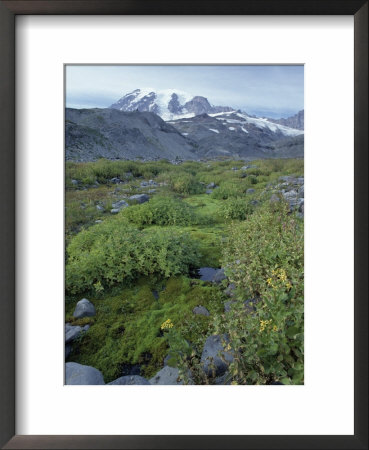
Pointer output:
325, 404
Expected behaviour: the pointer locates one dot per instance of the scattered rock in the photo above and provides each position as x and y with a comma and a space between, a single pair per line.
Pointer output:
213, 355
78, 374
201, 310
98, 221
151, 191
211, 185
167, 375
234, 168
292, 180
274, 198
120, 205
139, 198
250, 191
208, 191
84, 308
100, 208
219, 276
71, 332
115, 180
75, 182
223, 379
152, 183
114, 211
130, 379
230, 291
249, 305
68, 349
86, 327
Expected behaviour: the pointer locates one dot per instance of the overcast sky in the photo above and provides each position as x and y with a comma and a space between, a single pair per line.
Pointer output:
274, 91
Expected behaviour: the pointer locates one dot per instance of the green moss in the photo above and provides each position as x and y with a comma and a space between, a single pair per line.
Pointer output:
126, 328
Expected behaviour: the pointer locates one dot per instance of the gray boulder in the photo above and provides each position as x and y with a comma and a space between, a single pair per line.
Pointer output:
250, 191
201, 310
68, 349
78, 374
71, 332
211, 185
100, 208
84, 308
130, 380
115, 180
292, 180
223, 379
214, 359
167, 375
219, 276
75, 182
121, 204
86, 327
139, 198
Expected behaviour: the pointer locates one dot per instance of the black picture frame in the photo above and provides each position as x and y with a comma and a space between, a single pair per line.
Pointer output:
8, 11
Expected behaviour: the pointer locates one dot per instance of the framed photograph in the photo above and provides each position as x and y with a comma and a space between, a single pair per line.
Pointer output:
164, 265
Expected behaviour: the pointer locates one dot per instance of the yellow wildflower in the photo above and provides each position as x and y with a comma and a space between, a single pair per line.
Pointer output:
166, 325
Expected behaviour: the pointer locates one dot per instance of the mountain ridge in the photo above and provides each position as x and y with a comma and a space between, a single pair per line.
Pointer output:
169, 104
96, 133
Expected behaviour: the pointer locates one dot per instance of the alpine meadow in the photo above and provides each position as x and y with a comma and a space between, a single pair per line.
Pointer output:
184, 225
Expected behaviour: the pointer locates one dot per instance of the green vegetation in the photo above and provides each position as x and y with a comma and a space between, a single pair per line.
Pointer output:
264, 257
162, 211
137, 267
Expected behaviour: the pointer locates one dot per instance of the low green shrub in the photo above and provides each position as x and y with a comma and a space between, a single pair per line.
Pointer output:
162, 211
235, 209
185, 183
227, 190
116, 252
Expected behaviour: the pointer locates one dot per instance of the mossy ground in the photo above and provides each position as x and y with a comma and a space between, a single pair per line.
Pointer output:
126, 329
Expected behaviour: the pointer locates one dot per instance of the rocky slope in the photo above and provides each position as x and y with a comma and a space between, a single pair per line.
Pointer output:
296, 121
107, 133
168, 104
237, 135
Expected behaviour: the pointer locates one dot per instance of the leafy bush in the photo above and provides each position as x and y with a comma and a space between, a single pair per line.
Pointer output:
116, 252
227, 190
162, 211
235, 208
264, 258
185, 183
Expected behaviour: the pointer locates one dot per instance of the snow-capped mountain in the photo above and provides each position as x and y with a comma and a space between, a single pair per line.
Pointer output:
244, 122
169, 104
235, 134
